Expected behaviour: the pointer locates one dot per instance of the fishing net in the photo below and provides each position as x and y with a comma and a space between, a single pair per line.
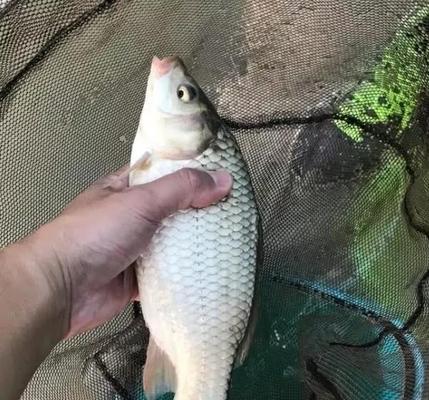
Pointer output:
329, 103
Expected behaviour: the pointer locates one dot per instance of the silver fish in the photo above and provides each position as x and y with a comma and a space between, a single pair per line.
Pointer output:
197, 277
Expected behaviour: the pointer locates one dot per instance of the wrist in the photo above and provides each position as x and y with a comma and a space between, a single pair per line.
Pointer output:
32, 313
36, 279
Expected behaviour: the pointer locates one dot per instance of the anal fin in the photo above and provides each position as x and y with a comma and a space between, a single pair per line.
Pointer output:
159, 375
245, 344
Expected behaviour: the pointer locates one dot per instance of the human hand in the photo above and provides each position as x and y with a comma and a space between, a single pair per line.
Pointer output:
85, 254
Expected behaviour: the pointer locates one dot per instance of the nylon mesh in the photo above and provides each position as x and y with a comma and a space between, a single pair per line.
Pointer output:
329, 103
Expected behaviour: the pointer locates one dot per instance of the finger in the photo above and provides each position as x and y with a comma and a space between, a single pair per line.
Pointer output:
104, 303
183, 189
130, 282
116, 181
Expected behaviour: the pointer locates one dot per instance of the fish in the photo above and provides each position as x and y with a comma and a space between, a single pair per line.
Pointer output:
196, 278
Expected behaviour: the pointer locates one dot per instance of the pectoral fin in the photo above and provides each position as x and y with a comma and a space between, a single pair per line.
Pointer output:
142, 163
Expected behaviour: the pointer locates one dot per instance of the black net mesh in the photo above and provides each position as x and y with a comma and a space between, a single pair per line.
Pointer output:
329, 103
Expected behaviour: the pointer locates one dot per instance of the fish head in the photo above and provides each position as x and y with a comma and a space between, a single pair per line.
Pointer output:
178, 120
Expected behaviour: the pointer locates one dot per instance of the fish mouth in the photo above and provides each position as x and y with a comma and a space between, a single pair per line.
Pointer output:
162, 66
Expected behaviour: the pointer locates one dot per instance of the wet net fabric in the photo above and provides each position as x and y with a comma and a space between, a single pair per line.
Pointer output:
329, 103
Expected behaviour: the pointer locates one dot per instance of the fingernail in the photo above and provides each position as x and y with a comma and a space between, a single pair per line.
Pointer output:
222, 178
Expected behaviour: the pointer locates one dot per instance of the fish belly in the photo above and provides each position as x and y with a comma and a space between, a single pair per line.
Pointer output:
196, 282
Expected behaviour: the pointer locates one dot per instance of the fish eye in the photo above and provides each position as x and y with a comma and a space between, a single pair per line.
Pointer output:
186, 93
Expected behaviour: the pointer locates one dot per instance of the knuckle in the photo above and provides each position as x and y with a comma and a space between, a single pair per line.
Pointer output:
192, 180
150, 222
112, 183
144, 206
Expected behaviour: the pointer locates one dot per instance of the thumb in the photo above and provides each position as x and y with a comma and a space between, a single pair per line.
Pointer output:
181, 190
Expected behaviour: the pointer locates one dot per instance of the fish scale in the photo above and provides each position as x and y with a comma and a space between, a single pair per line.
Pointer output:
210, 273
